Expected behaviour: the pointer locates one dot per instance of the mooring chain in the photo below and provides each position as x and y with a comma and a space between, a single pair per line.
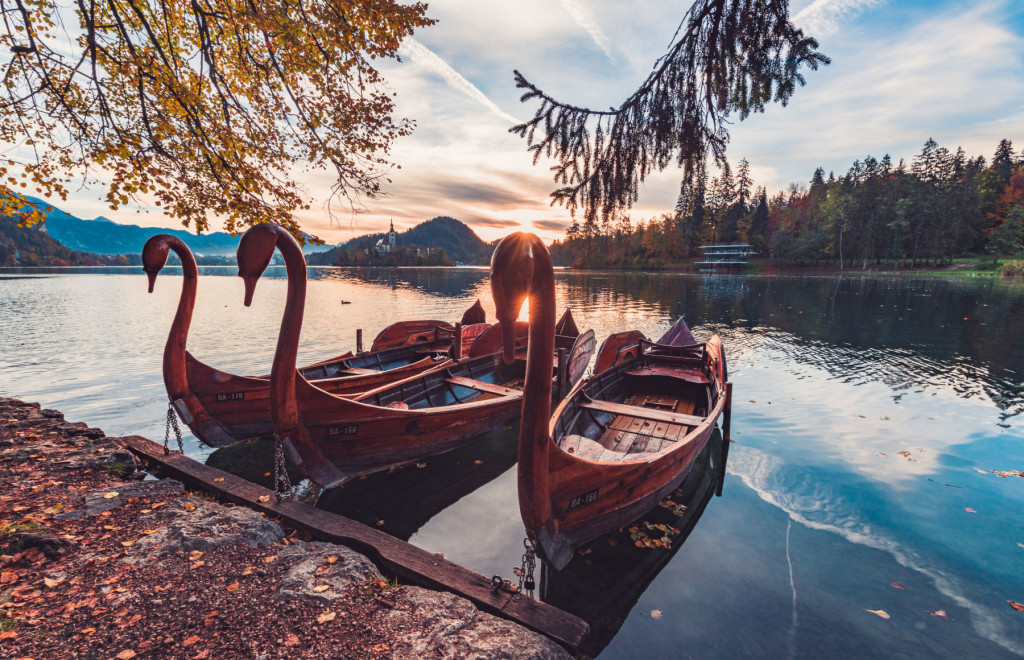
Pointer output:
280, 470
529, 565
524, 572
172, 422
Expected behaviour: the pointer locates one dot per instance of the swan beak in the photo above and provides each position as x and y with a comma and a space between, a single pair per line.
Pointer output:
250, 287
151, 274
508, 341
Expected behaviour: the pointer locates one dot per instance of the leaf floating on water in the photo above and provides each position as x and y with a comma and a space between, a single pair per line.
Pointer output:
656, 614
969, 509
981, 471
880, 613
898, 585
941, 613
111, 495
1021, 545
1015, 605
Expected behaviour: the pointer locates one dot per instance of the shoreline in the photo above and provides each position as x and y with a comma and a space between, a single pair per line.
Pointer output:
98, 560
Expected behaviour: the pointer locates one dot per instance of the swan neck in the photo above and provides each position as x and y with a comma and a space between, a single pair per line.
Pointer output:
175, 376
283, 373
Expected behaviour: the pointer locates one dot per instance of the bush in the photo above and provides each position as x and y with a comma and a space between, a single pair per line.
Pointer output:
1012, 269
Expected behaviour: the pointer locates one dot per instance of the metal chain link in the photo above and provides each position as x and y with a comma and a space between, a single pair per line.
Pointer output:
280, 470
529, 565
172, 422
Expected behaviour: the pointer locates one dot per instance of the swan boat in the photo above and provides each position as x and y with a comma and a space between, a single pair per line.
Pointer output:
222, 408
333, 439
623, 439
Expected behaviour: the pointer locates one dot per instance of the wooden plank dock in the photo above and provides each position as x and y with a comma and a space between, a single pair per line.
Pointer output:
392, 555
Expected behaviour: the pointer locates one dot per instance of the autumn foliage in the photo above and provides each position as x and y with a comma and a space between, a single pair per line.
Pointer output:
208, 106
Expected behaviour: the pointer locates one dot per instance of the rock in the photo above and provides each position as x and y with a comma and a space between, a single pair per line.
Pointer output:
442, 625
50, 545
96, 500
301, 578
205, 527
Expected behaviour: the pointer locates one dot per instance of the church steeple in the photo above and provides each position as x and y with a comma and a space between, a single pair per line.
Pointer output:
392, 235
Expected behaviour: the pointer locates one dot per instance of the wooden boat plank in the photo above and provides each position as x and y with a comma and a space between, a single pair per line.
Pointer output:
359, 371
482, 386
570, 443
644, 413
393, 555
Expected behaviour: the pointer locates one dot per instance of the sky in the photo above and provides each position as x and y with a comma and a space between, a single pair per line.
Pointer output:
901, 72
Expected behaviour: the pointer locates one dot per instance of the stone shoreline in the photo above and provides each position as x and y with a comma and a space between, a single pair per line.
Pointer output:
97, 561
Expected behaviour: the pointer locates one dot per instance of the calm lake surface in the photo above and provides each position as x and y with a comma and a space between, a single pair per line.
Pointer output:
869, 415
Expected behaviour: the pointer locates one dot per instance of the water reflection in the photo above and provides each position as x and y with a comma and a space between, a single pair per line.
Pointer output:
606, 578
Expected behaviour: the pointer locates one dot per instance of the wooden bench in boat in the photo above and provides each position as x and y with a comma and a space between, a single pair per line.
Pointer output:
643, 413
359, 371
480, 385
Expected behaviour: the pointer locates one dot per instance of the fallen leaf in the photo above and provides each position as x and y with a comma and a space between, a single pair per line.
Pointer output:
267, 474
267, 560
197, 564
319, 589
88, 631
127, 544
292, 640
125, 654
195, 555
109, 496
1015, 605
263, 498
326, 616
219, 479
655, 614
332, 559
881, 613
969, 510
202, 655
233, 586
190, 506
379, 648
898, 585
191, 640
158, 505
941, 613
147, 532
478, 462
51, 583
7, 634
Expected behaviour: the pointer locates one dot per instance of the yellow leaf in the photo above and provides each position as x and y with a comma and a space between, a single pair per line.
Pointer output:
263, 498
127, 544
109, 496
319, 589
195, 555
149, 531
881, 613
267, 560
189, 506
158, 505
51, 583
233, 586
219, 479
332, 559
326, 616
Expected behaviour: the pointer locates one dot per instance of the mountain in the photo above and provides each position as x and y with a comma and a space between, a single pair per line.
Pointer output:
20, 246
459, 242
104, 236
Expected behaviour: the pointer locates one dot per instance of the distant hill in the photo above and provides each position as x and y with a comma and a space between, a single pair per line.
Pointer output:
104, 236
459, 242
21, 246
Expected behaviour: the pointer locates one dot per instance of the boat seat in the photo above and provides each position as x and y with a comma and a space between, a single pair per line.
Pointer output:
358, 371
583, 447
480, 385
643, 413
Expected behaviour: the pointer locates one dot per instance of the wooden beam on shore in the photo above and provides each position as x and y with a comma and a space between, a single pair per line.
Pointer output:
391, 554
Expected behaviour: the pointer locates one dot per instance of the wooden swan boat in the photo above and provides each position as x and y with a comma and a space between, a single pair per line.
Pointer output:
333, 439
622, 439
222, 408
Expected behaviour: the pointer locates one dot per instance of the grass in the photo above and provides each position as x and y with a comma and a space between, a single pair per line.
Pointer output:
119, 471
7, 624
1012, 268
7, 531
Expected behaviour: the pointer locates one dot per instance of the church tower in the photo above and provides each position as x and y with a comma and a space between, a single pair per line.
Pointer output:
392, 236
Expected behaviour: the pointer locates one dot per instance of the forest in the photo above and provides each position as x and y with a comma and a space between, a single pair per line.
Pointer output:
940, 206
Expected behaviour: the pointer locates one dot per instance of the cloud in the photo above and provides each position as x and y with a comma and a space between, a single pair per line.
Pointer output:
822, 17
585, 19
551, 225
430, 61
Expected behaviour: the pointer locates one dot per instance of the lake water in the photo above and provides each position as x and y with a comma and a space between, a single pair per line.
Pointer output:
869, 415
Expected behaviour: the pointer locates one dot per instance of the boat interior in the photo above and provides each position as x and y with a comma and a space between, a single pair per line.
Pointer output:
376, 361
633, 411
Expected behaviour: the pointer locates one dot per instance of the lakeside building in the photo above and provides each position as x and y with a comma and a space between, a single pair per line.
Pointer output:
388, 243
725, 256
